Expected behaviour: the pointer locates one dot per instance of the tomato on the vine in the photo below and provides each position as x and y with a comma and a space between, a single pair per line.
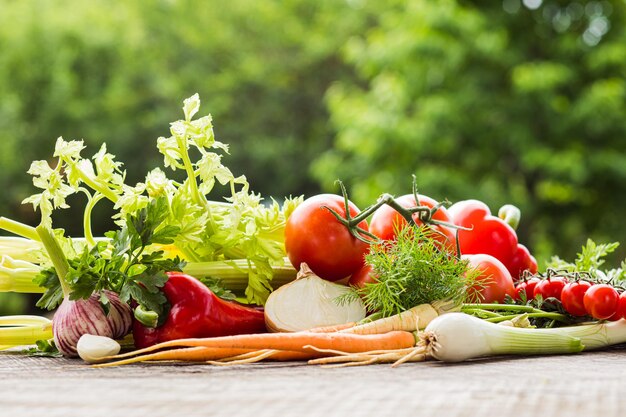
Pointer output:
386, 221
527, 287
364, 275
572, 297
550, 288
620, 313
313, 235
494, 282
601, 301
522, 261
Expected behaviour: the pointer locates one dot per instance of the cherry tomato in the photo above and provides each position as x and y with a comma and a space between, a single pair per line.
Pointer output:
313, 235
494, 282
361, 277
601, 301
386, 220
550, 287
572, 297
527, 287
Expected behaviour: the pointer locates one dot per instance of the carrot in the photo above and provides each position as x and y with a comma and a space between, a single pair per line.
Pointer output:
413, 319
193, 354
271, 354
297, 341
212, 355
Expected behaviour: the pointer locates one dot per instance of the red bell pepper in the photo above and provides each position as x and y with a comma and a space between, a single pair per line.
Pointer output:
197, 312
491, 235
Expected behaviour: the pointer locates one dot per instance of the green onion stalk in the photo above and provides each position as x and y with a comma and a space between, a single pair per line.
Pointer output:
456, 337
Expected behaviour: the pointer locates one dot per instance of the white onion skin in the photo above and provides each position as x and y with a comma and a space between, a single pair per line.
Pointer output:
75, 318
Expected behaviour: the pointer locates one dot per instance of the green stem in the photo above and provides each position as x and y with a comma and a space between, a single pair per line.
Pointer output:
199, 198
87, 218
56, 255
553, 316
502, 307
25, 335
234, 273
17, 276
148, 318
18, 228
93, 184
510, 214
481, 313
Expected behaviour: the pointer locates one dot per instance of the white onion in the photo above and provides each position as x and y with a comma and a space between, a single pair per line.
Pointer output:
75, 318
310, 302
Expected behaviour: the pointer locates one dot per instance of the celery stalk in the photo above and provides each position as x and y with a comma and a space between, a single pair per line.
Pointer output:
17, 276
23, 330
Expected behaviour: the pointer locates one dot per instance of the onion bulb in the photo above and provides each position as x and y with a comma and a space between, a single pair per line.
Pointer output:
75, 318
310, 302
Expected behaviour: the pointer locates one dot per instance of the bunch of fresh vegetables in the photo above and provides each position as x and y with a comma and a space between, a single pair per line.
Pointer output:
164, 226
404, 279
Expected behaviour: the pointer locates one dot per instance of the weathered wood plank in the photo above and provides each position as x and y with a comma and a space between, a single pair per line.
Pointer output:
590, 384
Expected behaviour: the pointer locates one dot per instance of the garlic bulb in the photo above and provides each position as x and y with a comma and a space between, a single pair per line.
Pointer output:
310, 302
75, 318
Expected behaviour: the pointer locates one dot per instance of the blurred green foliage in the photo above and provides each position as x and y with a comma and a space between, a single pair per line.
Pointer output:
504, 101
495, 101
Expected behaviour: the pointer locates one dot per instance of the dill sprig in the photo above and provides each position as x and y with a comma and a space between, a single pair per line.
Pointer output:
414, 270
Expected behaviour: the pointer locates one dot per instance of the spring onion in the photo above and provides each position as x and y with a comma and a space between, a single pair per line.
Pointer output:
457, 337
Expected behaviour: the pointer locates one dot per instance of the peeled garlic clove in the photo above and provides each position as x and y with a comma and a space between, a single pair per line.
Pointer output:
310, 302
92, 349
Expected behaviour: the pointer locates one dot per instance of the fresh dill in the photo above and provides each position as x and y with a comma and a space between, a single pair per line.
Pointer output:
414, 270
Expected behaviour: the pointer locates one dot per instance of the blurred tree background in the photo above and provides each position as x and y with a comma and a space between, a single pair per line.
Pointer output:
509, 101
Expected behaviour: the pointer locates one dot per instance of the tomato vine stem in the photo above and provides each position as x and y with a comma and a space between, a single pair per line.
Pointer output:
425, 214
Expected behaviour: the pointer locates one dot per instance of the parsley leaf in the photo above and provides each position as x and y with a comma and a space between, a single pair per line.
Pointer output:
123, 265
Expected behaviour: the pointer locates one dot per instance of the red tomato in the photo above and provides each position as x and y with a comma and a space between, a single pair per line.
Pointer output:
572, 297
313, 235
601, 301
621, 307
494, 282
550, 288
386, 220
527, 287
361, 277
522, 261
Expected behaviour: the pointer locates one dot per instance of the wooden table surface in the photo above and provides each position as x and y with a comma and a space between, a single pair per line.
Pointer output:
590, 384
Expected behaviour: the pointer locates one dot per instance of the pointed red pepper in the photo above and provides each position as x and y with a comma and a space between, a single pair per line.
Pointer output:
491, 235
197, 312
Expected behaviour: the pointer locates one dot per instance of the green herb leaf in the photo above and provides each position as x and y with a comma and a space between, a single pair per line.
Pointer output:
411, 271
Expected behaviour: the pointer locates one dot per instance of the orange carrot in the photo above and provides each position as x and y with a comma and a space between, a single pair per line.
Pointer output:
210, 354
193, 354
298, 341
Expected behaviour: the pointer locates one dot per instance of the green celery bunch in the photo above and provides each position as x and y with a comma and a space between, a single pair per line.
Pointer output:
240, 228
